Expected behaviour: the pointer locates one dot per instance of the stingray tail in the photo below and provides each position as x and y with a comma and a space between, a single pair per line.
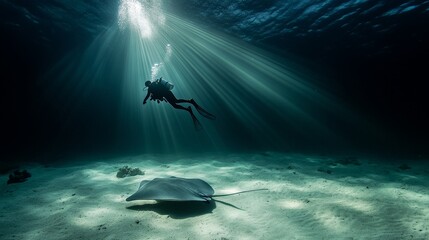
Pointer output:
229, 194
228, 204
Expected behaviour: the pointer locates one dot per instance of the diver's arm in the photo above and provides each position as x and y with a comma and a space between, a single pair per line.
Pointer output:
147, 96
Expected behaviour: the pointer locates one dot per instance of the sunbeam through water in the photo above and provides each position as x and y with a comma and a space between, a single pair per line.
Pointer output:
259, 99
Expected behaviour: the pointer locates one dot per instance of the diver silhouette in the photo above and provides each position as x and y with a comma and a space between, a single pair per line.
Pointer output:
160, 90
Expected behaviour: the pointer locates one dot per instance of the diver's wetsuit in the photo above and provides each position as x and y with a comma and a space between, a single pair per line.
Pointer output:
159, 93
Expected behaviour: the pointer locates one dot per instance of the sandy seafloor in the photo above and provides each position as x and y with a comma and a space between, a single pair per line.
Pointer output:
309, 197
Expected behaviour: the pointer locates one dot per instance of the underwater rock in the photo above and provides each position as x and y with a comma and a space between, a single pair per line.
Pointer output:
404, 167
126, 171
347, 161
321, 169
18, 176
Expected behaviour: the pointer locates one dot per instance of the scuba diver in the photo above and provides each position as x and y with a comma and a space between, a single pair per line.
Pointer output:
160, 90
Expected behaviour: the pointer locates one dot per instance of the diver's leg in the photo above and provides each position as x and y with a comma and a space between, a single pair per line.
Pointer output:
177, 106
201, 110
172, 99
183, 101
191, 101
197, 123
173, 102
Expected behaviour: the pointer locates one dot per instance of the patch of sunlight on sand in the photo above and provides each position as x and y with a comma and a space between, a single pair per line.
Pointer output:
289, 187
229, 190
247, 186
208, 230
330, 220
114, 198
99, 175
398, 191
90, 217
133, 181
65, 198
335, 188
415, 196
274, 186
291, 204
358, 205
235, 215
226, 169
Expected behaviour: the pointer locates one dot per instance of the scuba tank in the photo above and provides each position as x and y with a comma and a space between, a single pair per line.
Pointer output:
165, 84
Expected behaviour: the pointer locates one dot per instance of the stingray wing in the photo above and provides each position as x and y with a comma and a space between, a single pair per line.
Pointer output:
173, 189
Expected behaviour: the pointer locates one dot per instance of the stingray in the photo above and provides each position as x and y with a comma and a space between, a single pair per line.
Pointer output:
178, 189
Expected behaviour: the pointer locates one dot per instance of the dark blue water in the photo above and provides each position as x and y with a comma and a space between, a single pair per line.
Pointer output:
296, 76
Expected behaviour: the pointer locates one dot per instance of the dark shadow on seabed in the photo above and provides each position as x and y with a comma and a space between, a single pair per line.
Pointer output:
177, 210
